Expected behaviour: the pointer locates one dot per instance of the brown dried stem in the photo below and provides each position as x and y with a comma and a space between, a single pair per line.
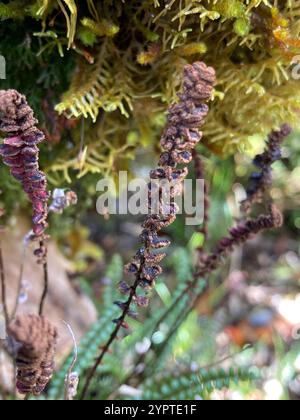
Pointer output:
112, 338
3, 287
237, 236
46, 287
180, 137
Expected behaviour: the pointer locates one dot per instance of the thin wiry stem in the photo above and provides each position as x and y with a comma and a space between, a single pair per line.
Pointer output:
45, 290
3, 288
179, 138
20, 282
73, 363
238, 235
46, 283
111, 340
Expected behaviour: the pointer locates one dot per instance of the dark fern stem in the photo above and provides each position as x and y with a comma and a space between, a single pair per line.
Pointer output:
179, 139
261, 180
207, 264
247, 228
237, 236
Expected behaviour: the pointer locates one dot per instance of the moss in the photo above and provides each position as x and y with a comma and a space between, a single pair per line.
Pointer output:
129, 57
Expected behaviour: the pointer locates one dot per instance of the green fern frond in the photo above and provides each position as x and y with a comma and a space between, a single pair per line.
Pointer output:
97, 335
250, 43
182, 265
188, 386
101, 85
87, 351
114, 275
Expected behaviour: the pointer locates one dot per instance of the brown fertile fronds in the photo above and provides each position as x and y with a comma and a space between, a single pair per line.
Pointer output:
20, 152
35, 339
262, 180
239, 235
179, 139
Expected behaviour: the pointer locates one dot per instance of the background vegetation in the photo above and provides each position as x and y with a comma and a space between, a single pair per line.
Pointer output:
100, 76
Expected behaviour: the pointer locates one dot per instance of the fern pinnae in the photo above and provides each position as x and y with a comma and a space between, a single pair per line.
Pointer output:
98, 333
189, 385
87, 349
103, 86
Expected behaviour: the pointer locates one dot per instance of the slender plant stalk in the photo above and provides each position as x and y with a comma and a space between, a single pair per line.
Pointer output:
45, 290
46, 282
112, 338
73, 363
180, 137
238, 236
3, 288
161, 320
20, 281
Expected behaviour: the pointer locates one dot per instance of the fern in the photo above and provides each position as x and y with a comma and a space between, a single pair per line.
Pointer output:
182, 265
114, 274
87, 351
97, 335
190, 385
102, 85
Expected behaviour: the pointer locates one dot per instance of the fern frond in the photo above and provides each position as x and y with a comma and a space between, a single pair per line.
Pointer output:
188, 386
101, 85
87, 351
183, 270
182, 265
114, 275
97, 335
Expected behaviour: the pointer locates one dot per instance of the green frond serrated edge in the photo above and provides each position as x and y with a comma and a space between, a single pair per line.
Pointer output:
96, 336
188, 386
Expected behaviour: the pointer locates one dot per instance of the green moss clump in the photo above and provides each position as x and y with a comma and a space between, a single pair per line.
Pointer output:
119, 65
